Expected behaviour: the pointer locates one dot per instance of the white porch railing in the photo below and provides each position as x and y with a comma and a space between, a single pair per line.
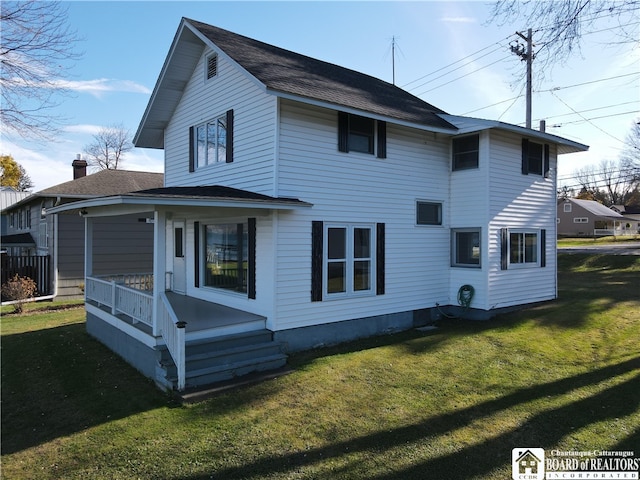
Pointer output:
138, 305
121, 298
173, 334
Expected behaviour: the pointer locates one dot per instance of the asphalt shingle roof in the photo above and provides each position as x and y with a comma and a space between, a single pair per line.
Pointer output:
106, 182
289, 72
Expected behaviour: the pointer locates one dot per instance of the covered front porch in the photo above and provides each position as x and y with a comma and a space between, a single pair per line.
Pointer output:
189, 328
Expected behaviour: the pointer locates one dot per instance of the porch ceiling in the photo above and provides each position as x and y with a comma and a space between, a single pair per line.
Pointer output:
203, 196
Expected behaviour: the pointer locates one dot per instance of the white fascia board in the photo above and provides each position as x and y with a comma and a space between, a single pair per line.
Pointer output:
471, 125
128, 204
222, 53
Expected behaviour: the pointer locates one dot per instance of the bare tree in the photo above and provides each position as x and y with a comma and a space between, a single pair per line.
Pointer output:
36, 55
631, 150
109, 147
611, 183
560, 25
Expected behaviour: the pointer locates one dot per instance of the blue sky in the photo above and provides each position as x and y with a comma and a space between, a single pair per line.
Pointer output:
125, 44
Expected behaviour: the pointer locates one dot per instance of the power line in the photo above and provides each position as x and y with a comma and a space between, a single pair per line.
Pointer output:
458, 61
556, 89
585, 119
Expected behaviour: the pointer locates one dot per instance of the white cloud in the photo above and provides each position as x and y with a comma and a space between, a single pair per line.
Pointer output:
458, 19
96, 87
83, 129
100, 86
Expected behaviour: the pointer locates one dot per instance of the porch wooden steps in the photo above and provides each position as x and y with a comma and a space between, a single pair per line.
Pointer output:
219, 359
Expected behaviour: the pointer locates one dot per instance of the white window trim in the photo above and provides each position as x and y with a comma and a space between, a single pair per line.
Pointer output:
519, 265
349, 291
207, 163
580, 220
567, 207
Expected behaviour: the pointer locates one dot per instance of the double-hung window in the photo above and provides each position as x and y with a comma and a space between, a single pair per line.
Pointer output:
349, 259
211, 142
362, 134
535, 158
466, 151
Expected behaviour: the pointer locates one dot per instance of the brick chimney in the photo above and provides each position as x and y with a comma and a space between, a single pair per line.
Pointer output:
79, 167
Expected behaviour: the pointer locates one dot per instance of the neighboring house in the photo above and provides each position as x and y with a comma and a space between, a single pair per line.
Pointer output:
311, 204
587, 218
631, 216
57, 241
8, 196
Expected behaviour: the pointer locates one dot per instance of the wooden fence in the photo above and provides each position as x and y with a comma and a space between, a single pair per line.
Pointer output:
38, 268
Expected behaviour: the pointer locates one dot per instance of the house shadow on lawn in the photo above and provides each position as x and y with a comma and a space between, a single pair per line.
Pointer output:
544, 429
60, 381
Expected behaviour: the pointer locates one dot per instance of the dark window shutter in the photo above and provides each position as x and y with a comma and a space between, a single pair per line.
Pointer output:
543, 248
525, 156
196, 254
504, 248
343, 132
192, 163
546, 166
251, 250
317, 231
229, 158
380, 258
382, 139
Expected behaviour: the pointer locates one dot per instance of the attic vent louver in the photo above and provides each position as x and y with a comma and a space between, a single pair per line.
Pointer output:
212, 66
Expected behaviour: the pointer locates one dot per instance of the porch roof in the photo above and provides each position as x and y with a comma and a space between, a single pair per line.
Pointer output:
200, 196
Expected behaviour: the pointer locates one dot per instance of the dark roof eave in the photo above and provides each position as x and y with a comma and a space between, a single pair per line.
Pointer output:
153, 200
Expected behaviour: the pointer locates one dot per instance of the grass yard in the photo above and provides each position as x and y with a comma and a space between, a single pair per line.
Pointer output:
450, 404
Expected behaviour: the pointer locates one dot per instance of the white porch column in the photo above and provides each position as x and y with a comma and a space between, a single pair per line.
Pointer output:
88, 251
159, 263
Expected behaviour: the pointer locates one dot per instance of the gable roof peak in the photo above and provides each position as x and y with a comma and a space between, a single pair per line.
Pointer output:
281, 72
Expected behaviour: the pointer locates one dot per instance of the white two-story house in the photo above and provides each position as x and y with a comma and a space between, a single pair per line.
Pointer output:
308, 204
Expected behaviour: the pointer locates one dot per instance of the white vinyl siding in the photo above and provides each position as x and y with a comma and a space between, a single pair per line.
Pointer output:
359, 189
253, 136
525, 202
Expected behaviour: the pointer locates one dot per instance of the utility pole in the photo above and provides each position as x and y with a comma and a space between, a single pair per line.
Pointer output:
526, 54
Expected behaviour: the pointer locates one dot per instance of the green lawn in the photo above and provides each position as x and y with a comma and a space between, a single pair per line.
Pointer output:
451, 404
590, 241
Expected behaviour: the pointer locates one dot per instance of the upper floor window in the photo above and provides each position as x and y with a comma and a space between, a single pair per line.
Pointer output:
361, 134
567, 207
535, 158
211, 66
211, 142
466, 152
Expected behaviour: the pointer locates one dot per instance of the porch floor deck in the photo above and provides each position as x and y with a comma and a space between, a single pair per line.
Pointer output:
204, 319
202, 316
